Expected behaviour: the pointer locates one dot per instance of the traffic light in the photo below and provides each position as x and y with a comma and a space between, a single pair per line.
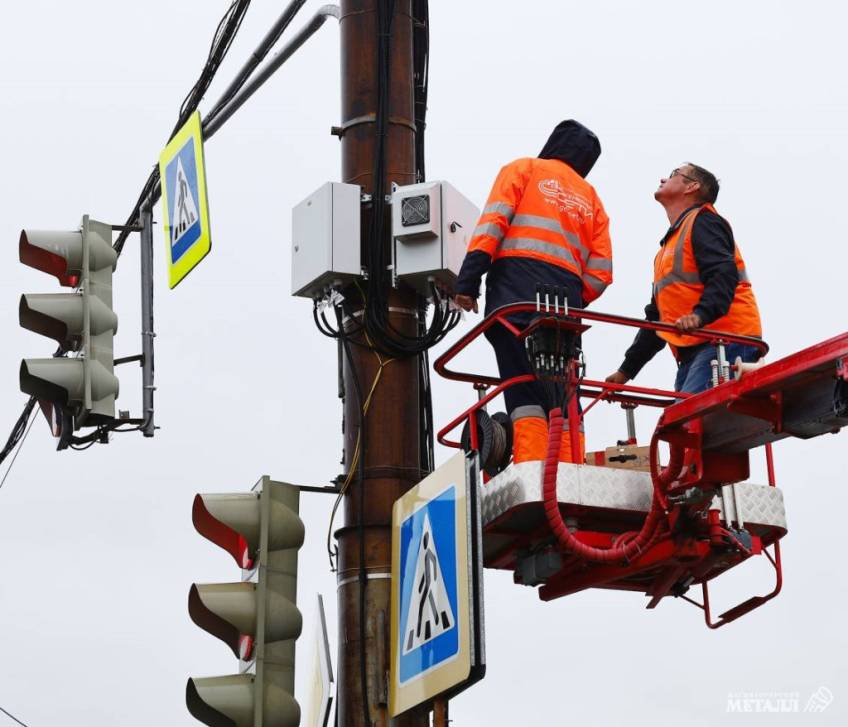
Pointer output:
256, 617
82, 386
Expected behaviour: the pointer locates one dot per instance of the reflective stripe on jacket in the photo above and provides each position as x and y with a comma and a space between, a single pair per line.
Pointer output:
678, 287
542, 209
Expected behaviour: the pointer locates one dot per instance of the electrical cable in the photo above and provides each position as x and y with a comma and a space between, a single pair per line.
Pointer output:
18, 451
11, 716
268, 42
360, 467
386, 337
18, 429
427, 426
226, 31
357, 464
420, 75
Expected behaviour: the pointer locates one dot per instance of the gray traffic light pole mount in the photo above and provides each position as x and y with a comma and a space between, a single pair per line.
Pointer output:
145, 423
147, 333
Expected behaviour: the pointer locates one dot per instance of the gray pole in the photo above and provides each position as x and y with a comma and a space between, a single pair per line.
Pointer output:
631, 423
147, 333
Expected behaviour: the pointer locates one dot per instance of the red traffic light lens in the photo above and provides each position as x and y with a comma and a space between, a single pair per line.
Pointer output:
245, 647
220, 534
46, 261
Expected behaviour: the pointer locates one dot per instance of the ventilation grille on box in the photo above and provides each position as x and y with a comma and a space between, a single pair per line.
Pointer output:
415, 210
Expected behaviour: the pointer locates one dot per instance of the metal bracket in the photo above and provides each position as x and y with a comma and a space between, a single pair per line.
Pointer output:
128, 359
371, 118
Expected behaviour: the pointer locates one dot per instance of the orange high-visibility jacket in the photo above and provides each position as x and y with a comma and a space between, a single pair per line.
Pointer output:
678, 287
543, 209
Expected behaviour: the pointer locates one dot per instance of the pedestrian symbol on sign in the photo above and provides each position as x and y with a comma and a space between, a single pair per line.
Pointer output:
186, 212
183, 214
432, 614
428, 623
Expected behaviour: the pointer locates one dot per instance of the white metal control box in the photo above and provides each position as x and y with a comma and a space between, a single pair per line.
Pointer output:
326, 239
432, 224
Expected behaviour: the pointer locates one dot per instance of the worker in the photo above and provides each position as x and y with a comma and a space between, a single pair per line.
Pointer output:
699, 280
543, 224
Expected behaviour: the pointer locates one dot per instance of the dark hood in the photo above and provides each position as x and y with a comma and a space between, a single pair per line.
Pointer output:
574, 144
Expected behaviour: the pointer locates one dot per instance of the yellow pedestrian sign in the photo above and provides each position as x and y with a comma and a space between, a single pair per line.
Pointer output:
437, 633
185, 211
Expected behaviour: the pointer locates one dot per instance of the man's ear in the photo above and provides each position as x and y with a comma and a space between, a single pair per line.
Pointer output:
693, 188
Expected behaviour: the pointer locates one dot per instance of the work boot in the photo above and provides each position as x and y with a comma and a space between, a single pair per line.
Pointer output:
565, 454
529, 434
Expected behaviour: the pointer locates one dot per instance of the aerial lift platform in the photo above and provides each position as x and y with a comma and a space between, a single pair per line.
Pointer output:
632, 524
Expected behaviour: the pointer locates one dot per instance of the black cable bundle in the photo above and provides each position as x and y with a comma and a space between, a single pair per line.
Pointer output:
221, 42
384, 336
421, 72
18, 429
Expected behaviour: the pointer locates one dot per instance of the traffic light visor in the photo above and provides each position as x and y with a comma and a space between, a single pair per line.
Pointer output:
55, 253
56, 315
228, 612
221, 701
209, 514
60, 380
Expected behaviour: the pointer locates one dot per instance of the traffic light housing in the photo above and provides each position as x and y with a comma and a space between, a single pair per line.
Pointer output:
81, 386
257, 617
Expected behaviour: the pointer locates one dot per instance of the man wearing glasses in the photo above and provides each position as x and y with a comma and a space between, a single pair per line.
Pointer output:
699, 281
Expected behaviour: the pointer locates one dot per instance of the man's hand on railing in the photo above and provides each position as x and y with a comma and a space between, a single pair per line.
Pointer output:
466, 302
688, 322
617, 378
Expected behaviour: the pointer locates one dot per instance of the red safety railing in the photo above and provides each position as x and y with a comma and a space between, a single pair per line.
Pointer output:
588, 388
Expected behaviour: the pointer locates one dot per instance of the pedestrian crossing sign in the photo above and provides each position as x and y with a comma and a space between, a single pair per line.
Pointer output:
185, 211
437, 645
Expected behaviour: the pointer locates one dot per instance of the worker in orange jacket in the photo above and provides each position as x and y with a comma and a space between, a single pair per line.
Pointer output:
700, 280
543, 224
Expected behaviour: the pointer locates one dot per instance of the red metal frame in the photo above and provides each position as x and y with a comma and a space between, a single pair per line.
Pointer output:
707, 548
758, 393
596, 390
755, 601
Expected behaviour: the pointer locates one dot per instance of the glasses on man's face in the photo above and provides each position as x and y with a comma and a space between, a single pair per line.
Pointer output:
677, 172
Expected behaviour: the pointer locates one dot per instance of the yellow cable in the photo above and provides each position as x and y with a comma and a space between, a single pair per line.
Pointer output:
356, 452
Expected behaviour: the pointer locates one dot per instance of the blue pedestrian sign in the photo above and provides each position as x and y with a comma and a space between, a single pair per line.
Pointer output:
437, 645
428, 597
185, 210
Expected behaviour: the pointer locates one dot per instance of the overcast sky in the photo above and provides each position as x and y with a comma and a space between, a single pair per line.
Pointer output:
97, 550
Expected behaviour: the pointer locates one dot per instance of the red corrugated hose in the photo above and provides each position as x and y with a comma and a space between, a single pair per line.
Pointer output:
621, 551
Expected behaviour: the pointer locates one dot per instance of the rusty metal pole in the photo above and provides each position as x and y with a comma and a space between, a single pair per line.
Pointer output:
391, 458
440, 713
